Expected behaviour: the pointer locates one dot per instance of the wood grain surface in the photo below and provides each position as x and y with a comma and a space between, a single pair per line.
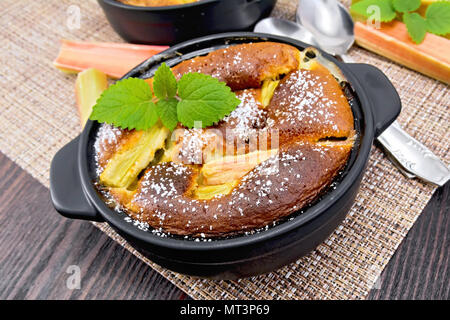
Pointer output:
37, 247
420, 267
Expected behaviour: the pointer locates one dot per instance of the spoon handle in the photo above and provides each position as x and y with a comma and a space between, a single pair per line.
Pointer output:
413, 156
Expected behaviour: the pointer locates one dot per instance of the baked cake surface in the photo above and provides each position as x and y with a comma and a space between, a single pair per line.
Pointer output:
273, 155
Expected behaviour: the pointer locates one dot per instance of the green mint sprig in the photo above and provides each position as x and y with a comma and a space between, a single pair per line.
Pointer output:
405, 6
436, 20
416, 25
387, 12
130, 103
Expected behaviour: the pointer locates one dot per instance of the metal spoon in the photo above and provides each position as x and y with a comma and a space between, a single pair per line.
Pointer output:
411, 157
286, 28
330, 23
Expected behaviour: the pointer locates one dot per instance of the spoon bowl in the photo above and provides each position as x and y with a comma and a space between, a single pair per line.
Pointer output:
285, 28
329, 22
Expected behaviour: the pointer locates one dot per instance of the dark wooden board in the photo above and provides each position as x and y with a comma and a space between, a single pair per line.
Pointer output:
420, 267
37, 246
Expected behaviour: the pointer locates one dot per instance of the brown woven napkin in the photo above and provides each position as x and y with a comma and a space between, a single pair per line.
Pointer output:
38, 117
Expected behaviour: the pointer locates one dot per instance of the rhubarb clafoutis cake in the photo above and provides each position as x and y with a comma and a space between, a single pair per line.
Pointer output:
274, 154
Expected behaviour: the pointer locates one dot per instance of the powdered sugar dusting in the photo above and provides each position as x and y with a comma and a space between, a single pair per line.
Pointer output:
107, 137
247, 117
303, 100
195, 144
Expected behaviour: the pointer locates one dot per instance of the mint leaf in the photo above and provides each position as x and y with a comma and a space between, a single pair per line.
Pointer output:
164, 84
406, 5
364, 8
167, 111
126, 104
205, 99
416, 25
438, 18
129, 103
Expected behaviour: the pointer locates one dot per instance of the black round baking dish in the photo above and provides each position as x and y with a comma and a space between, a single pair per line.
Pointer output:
174, 24
375, 105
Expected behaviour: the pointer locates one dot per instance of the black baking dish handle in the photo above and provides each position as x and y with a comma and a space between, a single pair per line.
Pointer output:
65, 185
383, 97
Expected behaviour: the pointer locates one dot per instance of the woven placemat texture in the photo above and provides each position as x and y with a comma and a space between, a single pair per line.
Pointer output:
38, 117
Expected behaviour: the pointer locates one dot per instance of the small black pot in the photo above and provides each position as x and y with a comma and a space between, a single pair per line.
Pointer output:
174, 24
376, 104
